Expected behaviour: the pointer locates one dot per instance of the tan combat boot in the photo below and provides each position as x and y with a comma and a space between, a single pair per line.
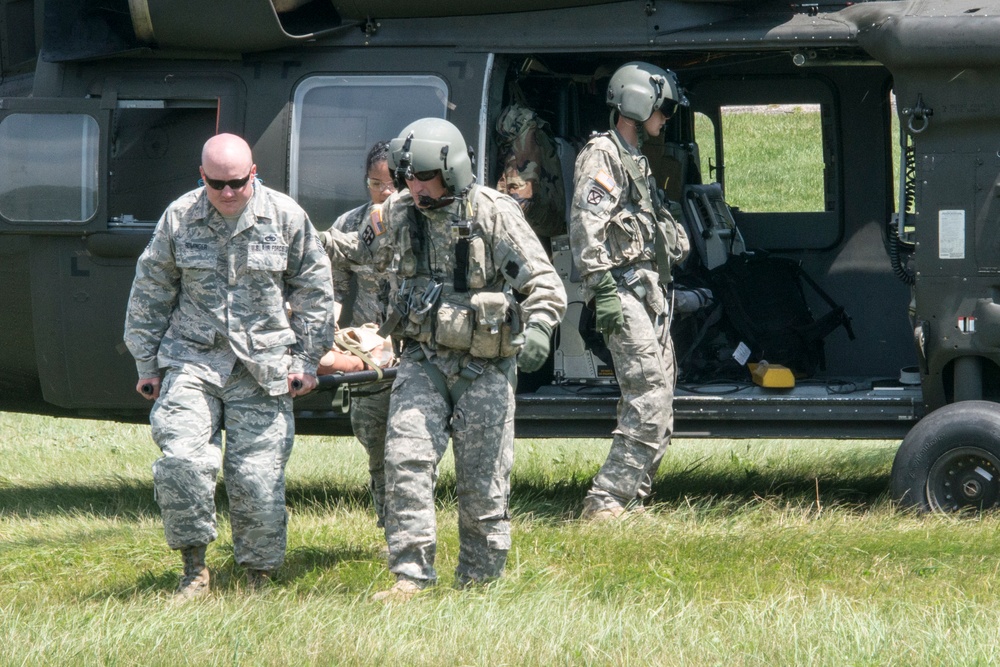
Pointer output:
402, 591
597, 513
194, 583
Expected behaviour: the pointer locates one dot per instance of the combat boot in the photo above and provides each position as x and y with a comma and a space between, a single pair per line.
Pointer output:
402, 591
195, 581
596, 513
258, 579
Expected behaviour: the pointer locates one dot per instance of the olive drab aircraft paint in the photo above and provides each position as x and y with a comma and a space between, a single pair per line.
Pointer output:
868, 278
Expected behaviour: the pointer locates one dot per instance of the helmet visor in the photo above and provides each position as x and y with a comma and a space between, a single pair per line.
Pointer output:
668, 108
665, 92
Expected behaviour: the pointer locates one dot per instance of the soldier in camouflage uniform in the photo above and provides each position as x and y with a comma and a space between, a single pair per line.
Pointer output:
208, 311
456, 250
624, 244
361, 291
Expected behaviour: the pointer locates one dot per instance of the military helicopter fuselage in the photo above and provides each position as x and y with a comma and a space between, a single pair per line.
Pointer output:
104, 108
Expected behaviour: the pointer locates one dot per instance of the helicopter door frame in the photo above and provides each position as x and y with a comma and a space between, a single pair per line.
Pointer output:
83, 165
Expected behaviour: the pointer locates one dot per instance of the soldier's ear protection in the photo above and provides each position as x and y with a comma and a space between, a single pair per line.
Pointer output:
636, 99
404, 164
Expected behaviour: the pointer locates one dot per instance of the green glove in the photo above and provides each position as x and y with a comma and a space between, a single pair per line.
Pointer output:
536, 347
608, 306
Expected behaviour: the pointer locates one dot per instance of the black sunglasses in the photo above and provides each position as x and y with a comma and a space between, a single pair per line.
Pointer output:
424, 176
235, 184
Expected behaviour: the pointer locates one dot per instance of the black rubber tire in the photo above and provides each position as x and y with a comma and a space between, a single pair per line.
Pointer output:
950, 461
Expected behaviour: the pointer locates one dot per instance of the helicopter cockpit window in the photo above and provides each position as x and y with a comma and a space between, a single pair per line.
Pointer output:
48, 168
336, 119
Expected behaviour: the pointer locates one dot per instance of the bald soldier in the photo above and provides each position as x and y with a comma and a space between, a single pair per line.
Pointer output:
229, 314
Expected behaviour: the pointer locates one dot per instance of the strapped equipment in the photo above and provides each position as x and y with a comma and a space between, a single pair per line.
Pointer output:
669, 247
763, 298
472, 370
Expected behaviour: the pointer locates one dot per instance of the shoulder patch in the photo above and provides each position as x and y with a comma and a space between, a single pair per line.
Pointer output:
512, 269
376, 221
375, 228
605, 180
595, 196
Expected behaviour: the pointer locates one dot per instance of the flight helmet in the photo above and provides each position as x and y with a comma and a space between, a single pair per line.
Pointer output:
431, 144
638, 89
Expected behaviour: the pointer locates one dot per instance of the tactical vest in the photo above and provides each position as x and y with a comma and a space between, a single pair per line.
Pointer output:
669, 240
462, 305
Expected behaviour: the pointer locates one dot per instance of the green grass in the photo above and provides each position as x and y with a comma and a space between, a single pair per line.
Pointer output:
755, 553
782, 149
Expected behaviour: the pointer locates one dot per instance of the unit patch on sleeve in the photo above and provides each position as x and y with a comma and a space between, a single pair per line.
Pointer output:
600, 193
376, 220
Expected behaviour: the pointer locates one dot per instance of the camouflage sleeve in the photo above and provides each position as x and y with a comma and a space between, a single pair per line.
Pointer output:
341, 244
525, 266
597, 190
309, 295
377, 232
153, 298
343, 249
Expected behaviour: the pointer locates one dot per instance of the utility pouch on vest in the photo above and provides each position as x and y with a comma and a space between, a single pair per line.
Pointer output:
454, 325
477, 263
495, 322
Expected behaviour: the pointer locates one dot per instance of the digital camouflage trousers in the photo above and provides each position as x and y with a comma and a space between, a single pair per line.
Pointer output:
643, 355
187, 422
481, 428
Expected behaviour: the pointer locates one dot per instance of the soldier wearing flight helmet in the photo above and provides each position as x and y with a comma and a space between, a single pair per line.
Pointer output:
625, 243
458, 250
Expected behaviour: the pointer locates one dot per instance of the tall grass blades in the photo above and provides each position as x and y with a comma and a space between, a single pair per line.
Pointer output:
740, 561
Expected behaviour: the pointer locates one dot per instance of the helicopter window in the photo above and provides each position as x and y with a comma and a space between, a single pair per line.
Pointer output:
161, 137
336, 119
48, 167
777, 156
781, 146
704, 131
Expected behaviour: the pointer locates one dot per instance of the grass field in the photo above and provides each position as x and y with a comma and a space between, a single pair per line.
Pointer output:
773, 157
755, 553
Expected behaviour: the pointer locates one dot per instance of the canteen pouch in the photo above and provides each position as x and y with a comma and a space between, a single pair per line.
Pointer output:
496, 323
454, 326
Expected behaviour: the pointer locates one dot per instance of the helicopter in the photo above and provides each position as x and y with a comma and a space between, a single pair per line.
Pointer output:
870, 308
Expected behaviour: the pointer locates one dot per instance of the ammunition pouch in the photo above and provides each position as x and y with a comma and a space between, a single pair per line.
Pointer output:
454, 325
623, 238
487, 327
497, 324
672, 244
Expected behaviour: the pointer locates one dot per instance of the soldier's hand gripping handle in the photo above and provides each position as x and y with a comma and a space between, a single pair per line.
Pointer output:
300, 384
148, 388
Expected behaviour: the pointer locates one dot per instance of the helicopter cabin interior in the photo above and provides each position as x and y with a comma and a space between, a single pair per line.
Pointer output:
783, 169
